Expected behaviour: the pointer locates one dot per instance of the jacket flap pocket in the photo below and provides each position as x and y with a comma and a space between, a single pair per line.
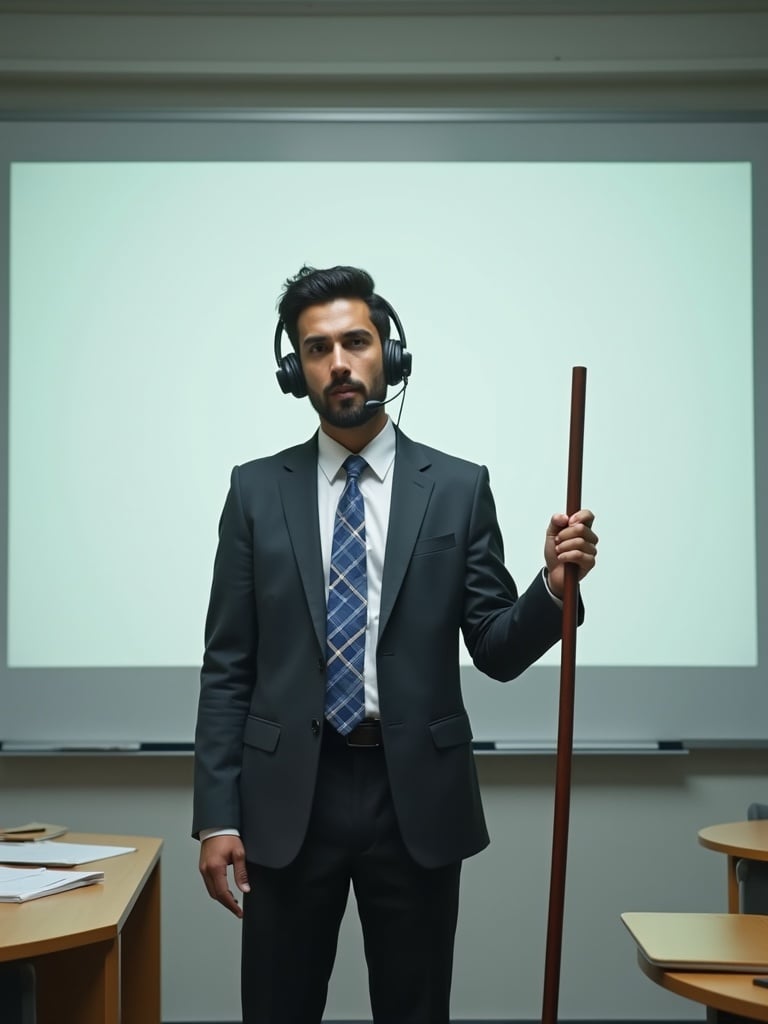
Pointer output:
261, 734
451, 731
427, 545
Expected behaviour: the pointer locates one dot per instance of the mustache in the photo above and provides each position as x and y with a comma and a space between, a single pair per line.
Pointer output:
347, 385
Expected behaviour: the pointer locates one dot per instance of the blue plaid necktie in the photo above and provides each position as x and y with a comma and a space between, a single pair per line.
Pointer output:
347, 607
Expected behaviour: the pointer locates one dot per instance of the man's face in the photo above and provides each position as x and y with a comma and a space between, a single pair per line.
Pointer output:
341, 356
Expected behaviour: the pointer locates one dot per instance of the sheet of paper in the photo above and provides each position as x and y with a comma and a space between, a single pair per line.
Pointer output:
55, 854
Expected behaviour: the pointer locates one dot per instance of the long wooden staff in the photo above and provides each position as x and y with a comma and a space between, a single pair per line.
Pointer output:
565, 727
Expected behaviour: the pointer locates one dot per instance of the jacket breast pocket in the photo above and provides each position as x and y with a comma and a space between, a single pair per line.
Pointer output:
261, 734
429, 545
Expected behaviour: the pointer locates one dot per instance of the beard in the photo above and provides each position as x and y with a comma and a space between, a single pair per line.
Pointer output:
351, 412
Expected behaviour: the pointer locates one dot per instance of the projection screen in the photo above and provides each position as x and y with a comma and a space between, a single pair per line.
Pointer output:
143, 261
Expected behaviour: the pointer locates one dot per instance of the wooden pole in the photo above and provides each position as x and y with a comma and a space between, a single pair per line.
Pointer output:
565, 724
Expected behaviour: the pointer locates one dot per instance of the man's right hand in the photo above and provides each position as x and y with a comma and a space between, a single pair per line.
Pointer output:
216, 855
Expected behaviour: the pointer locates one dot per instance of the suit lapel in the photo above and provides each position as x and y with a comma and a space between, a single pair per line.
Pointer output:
411, 491
298, 490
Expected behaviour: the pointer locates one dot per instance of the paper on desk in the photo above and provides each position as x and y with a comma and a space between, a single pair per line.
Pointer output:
61, 855
17, 885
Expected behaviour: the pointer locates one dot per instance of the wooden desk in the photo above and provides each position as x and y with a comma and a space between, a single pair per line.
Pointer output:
740, 839
96, 950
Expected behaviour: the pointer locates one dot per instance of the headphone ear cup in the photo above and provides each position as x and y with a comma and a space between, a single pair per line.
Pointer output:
393, 361
290, 376
397, 362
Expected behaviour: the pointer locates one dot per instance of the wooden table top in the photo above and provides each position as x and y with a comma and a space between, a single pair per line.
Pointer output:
80, 916
738, 839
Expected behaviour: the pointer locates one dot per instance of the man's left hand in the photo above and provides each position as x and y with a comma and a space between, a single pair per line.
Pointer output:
570, 540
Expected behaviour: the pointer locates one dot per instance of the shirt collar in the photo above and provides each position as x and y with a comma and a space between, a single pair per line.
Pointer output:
378, 453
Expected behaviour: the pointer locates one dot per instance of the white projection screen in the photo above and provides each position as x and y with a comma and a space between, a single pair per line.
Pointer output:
141, 264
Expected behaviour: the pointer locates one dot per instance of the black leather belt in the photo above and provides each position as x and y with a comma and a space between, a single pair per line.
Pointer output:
367, 734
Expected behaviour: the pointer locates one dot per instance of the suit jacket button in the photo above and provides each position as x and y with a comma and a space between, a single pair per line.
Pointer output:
315, 727
321, 664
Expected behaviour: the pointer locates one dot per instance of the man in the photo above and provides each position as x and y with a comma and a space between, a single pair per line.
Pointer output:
332, 742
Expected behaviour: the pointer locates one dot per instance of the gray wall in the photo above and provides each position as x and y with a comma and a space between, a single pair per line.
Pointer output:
633, 819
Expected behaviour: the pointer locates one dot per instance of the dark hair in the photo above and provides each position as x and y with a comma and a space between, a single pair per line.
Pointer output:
311, 287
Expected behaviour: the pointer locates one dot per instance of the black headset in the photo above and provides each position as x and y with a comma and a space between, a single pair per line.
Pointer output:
397, 362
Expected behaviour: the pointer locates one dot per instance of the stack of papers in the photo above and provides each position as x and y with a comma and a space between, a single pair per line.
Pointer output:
17, 885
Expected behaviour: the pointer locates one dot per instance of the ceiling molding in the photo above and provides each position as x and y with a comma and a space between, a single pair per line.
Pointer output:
382, 70
379, 8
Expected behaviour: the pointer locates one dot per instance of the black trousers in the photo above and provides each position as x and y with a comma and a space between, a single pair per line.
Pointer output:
292, 915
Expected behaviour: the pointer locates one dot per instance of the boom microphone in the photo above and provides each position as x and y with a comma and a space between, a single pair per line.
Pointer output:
374, 403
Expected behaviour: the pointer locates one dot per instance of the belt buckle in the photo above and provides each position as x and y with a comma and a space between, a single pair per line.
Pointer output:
374, 727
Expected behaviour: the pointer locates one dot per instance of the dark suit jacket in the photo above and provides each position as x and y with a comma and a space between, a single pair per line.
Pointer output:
263, 677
